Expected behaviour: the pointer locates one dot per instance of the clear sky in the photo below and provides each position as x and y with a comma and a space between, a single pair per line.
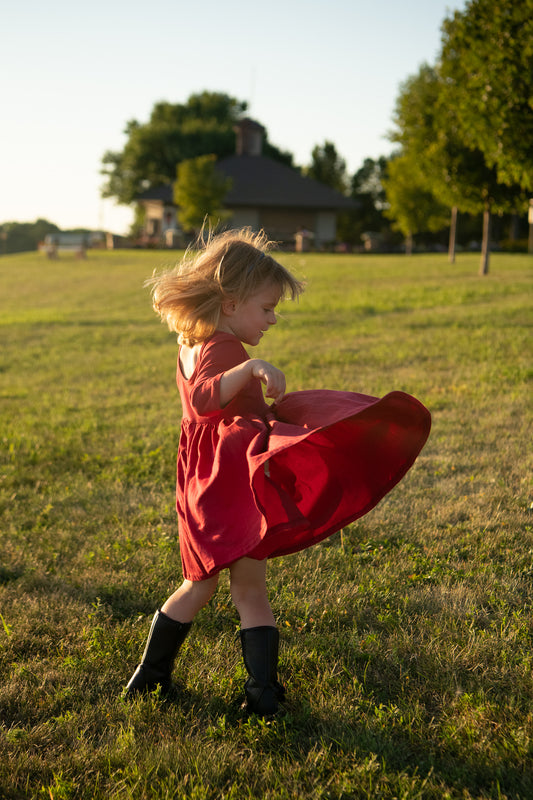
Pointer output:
73, 73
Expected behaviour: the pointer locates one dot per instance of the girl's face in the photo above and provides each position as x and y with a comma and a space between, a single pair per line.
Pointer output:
249, 319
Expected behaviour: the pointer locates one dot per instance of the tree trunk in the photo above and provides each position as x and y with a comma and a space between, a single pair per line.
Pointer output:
513, 228
409, 244
485, 245
453, 232
530, 219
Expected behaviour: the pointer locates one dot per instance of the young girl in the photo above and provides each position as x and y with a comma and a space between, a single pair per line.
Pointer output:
255, 480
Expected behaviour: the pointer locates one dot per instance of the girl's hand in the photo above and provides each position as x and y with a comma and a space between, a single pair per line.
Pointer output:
236, 379
272, 377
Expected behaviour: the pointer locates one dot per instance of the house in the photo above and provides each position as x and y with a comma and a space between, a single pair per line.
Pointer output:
264, 194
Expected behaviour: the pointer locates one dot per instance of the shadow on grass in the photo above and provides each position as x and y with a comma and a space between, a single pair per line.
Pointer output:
302, 731
8, 574
378, 724
58, 676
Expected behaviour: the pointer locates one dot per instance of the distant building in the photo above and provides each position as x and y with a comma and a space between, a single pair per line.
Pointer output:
264, 194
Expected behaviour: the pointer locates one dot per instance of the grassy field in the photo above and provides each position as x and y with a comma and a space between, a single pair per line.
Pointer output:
407, 639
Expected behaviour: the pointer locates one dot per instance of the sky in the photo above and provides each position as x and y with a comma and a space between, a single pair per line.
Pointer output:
72, 74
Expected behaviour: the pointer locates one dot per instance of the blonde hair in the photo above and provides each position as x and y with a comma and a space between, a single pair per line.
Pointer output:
230, 265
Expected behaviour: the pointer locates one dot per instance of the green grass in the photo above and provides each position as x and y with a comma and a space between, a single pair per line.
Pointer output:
407, 639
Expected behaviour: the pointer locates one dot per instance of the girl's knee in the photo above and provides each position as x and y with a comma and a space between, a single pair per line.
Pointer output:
201, 591
248, 591
191, 596
246, 594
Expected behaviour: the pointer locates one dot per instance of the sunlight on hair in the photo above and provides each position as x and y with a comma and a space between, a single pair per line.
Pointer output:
229, 265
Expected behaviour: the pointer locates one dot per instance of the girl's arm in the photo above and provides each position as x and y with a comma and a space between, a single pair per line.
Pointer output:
236, 379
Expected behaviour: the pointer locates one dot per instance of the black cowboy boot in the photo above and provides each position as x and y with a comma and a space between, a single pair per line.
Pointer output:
260, 652
164, 640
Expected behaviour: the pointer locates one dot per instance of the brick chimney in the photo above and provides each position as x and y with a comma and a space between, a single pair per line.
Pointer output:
249, 137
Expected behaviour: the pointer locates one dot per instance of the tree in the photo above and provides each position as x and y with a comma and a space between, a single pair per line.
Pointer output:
368, 180
411, 206
430, 132
17, 237
174, 133
328, 167
199, 192
368, 192
487, 69
367, 188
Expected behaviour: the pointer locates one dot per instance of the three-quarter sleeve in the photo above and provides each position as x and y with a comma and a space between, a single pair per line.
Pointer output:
216, 358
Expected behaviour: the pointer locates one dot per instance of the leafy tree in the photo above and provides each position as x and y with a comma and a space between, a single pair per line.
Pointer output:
368, 180
487, 69
367, 188
328, 167
411, 206
199, 192
174, 133
368, 192
430, 132
16, 237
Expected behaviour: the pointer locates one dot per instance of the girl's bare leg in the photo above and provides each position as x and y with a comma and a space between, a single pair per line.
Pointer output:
249, 593
191, 596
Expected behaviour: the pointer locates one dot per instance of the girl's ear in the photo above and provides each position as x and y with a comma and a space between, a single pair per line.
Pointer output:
228, 307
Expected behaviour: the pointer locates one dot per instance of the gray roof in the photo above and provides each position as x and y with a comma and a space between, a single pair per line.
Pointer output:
261, 182
164, 192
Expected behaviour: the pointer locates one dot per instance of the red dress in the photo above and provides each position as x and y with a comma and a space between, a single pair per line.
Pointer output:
262, 481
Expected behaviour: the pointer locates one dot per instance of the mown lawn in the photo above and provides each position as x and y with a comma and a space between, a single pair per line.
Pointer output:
407, 639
